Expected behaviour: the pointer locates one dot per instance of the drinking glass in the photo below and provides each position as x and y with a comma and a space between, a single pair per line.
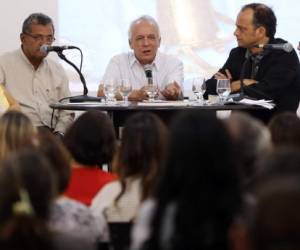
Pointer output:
110, 89
152, 91
223, 89
125, 89
199, 87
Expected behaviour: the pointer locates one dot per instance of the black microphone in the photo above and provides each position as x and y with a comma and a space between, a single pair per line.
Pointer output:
48, 48
148, 72
287, 47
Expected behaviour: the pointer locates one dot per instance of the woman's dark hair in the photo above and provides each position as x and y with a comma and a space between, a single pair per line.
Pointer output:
263, 16
27, 187
200, 182
285, 130
142, 150
91, 139
58, 157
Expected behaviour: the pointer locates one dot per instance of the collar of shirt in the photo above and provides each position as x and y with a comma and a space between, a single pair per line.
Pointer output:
24, 57
155, 63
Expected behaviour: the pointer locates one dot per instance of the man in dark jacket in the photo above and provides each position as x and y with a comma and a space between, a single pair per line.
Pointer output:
267, 74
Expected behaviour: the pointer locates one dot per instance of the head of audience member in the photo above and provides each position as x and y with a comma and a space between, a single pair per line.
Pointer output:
198, 194
270, 219
91, 139
251, 139
255, 24
58, 157
16, 131
27, 187
285, 130
144, 39
282, 161
37, 30
273, 221
142, 150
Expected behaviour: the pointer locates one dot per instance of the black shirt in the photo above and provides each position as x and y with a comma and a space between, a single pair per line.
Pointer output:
277, 74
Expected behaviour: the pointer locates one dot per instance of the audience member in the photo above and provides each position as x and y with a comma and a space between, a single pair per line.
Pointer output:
252, 140
34, 80
7, 101
198, 195
68, 215
271, 221
27, 187
268, 74
167, 71
91, 141
285, 130
16, 131
137, 163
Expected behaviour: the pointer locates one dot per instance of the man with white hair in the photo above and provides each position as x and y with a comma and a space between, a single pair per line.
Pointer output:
167, 71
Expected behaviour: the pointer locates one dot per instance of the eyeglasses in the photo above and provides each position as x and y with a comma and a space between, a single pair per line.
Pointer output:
40, 38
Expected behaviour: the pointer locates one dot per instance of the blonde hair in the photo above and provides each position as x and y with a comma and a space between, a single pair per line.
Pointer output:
16, 131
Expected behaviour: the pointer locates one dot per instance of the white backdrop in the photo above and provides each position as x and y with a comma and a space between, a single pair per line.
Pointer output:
197, 31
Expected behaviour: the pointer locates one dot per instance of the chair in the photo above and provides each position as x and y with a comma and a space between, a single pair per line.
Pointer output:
120, 234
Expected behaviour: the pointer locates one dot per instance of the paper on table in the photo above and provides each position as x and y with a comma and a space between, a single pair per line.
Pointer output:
263, 103
162, 103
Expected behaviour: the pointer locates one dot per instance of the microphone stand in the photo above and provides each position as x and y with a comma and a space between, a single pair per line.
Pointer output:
84, 97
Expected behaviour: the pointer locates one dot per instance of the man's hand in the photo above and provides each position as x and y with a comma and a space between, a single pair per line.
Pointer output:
137, 95
220, 75
236, 85
100, 92
172, 91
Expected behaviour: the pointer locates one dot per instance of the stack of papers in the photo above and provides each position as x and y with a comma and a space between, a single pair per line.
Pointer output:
263, 103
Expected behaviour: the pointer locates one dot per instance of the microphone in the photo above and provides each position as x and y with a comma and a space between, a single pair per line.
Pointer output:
287, 47
48, 48
148, 72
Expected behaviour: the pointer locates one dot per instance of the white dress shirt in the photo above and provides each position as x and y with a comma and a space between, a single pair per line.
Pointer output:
126, 209
36, 89
165, 69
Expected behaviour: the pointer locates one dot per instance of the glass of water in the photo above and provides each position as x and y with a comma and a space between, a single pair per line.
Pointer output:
110, 90
223, 89
199, 87
152, 91
125, 89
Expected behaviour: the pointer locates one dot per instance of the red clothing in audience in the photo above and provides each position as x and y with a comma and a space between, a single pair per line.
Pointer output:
86, 182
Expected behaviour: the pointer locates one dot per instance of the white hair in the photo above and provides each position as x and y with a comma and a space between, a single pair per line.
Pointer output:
144, 18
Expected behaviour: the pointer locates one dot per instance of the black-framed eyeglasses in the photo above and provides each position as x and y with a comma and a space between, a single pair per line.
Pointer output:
40, 38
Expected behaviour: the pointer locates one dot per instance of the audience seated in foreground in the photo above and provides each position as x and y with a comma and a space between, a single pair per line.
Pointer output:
27, 187
137, 164
272, 220
251, 141
16, 132
285, 130
68, 215
198, 195
91, 141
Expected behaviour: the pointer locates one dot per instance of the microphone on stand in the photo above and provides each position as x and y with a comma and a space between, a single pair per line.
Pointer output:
59, 49
48, 48
148, 72
287, 47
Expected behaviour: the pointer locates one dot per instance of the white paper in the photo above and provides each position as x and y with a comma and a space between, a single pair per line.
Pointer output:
263, 103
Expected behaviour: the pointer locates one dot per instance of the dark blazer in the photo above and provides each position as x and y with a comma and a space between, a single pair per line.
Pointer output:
278, 76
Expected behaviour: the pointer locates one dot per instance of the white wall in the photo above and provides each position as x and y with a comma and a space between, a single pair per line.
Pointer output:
14, 12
